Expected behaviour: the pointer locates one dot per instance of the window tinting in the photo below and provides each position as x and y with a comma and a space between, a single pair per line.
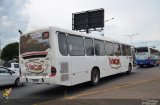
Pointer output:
153, 51
124, 50
142, 49
16, 65
99, 47
62, 44
2, 70
75, 45
117, 49
128, 49
7, 64
89, 46
109, 48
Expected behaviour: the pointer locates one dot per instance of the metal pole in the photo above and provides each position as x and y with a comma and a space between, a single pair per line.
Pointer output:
108, 20
131, 41
132, 35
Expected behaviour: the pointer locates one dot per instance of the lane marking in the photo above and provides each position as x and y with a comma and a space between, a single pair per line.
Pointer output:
112, 88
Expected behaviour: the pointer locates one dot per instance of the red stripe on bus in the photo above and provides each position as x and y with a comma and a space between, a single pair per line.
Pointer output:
34, 53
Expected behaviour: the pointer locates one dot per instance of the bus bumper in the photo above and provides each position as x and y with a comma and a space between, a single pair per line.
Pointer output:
38, 80
145, 62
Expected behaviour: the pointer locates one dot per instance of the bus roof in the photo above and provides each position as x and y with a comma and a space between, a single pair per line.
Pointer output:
76, 33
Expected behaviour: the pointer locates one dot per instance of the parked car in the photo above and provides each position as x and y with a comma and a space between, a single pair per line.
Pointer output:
12, 66
8, 77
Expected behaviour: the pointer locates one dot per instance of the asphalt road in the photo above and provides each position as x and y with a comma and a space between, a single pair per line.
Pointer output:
141, 83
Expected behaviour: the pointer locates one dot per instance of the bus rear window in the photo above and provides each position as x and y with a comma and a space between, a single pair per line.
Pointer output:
142, 49
34, 42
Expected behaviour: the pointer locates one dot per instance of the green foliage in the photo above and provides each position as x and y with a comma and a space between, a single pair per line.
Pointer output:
10, 51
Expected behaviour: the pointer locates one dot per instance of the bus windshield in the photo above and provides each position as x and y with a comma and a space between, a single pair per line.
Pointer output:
34, 42
142, 49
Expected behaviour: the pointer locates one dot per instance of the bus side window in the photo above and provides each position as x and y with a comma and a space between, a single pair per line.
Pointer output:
109, 48
124, 51
99, 47
89, 47
117, 49
75, 45
62, 40
128, 49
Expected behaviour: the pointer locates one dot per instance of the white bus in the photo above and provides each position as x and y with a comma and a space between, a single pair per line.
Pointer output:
56, 56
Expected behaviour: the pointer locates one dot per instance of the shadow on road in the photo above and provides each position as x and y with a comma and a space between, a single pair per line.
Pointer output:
57, 92
43, 91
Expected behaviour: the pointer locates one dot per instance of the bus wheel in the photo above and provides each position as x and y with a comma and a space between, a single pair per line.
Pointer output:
95, 77
157, 63
129, 69
141, 66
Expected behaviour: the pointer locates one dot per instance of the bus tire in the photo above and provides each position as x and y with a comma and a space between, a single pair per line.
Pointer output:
95, 77
141, 66
157, 63
129, 69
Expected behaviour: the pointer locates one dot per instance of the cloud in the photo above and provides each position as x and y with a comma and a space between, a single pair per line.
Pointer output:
131, 16
14, 16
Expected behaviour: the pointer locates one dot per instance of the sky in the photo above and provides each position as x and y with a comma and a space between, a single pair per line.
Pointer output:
130, 17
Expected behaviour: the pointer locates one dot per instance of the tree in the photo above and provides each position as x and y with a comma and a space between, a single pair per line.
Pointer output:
10, 51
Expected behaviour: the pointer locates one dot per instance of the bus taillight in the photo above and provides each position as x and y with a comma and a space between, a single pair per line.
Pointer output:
53, 71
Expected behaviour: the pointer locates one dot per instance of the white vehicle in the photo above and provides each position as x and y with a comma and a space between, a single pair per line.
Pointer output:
12, 66
57, 56
8, 77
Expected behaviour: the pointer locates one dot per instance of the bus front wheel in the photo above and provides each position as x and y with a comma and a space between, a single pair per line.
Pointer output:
95, 77
129, 69
141, 66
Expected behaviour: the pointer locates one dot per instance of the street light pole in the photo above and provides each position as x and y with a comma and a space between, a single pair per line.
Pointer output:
132, 35
105, 22
108, 20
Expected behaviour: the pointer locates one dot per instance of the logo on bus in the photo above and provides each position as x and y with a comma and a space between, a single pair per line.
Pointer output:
35, 67
114, 62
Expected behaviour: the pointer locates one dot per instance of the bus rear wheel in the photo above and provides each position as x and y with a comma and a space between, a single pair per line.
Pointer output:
129, 69
95, 77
